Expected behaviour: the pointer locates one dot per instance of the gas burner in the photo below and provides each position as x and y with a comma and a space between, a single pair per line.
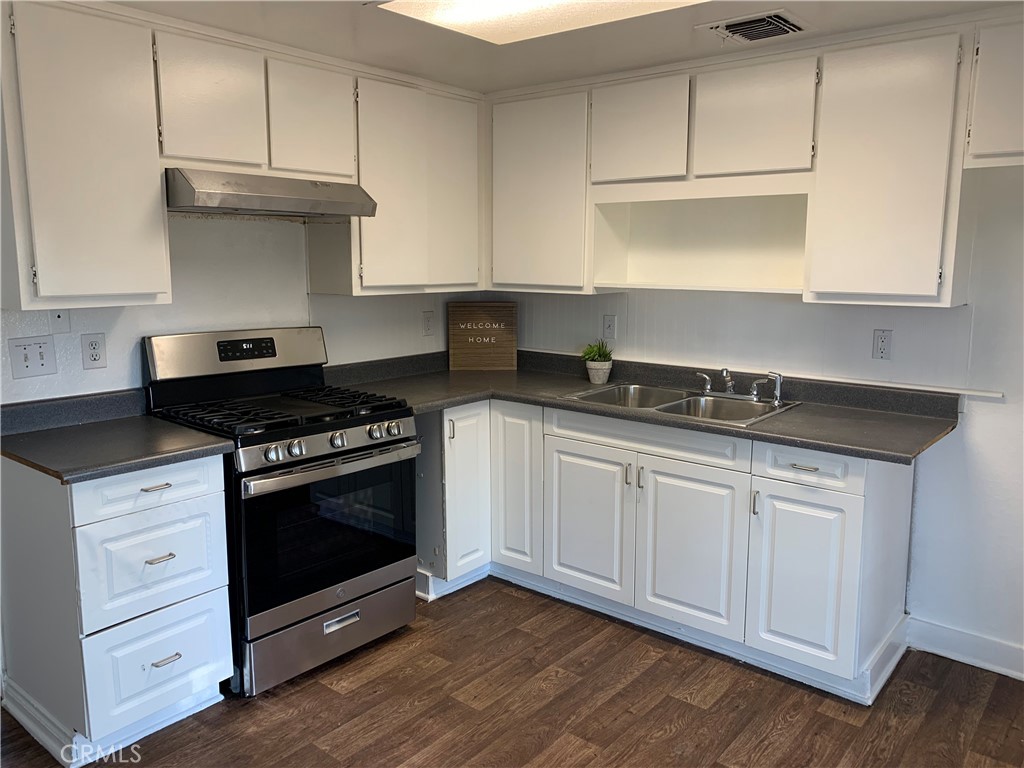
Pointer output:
349, 402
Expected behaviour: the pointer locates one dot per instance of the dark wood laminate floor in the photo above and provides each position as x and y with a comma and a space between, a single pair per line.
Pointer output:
497, 676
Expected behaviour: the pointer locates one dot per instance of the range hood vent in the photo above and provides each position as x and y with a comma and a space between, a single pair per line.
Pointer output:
753, 28
200, 191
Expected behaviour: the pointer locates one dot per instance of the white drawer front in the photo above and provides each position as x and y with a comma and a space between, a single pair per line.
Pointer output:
96, 500
138, 563
670, 442
818, 468
136, 669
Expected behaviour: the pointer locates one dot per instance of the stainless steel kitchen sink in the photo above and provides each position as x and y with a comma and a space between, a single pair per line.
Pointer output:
631, 396
739, 412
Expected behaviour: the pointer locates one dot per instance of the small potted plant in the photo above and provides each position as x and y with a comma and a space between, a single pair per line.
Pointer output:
598, 358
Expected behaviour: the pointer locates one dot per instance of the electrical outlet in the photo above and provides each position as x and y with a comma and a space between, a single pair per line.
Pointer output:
60, 321
428, 323
94, 350
610, 326
882, 349
32, 356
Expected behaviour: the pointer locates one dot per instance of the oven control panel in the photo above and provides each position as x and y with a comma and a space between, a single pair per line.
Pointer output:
246, 349
285, 451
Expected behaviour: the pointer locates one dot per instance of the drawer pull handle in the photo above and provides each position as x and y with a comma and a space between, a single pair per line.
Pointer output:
640, 478
161, 559
155, 488
804, 468
451, 429
335, 624
164, 662
629, 471
753, 502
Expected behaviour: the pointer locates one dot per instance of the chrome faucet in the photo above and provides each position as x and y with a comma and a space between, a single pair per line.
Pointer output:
730, 385
707, 382
772, 376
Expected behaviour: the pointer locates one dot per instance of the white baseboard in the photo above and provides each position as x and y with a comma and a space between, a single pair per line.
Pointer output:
977, 650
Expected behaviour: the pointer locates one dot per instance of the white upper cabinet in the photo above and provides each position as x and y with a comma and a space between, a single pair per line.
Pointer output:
997, 111
539, 192
754, 119
88, 201
312, 119
418, 158
638, 130
877, 211
212, 100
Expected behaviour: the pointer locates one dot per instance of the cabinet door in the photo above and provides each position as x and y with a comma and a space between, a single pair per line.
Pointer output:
539, 191
517, 487
691, 555
638, 130
590, 517
312, 119
803, 575
754, 119
212, 100
95, 188
467, 488
876, 213
997, 111
418, 160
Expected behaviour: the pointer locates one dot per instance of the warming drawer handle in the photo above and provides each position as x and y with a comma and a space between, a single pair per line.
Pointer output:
164, 662
805, 468
161, 559
155, 488
340, 623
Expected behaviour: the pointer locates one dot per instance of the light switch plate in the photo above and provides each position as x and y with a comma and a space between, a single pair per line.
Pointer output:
32, 356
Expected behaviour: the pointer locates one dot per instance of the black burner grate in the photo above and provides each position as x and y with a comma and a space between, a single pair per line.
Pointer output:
349, 402
235, 417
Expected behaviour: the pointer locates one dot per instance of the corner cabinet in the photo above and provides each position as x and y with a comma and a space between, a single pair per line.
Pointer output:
883, 210
90, 224
517, 487
539, 166
996, 135
418, 158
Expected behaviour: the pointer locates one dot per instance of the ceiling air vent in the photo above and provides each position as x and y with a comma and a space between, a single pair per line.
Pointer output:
754, 28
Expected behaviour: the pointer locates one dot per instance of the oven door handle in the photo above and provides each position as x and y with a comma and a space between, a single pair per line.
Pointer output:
262, 485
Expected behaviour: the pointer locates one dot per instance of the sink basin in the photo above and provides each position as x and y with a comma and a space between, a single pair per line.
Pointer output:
710, 408
632, 396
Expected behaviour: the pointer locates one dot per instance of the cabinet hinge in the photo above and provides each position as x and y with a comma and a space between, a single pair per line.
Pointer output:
35, 276
817, 76
940, 275
355, 95
160, 134
11, 19
360, 273
154, 51
959, 54
814, 148
977, 50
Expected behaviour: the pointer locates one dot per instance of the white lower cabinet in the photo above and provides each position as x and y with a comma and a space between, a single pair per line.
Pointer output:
691, 544
804, 574
589, 517
467, 488
517, 489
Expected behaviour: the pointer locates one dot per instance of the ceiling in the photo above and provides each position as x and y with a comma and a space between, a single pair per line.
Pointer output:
360, 32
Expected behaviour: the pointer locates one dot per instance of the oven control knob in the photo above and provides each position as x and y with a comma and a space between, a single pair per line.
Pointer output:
375, 431
273, 453
339, 440
296, 448
395, 428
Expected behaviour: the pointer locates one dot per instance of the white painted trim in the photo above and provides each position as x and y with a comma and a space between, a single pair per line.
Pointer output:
977, 650
863, 689
982, 393
429, 587
54, 737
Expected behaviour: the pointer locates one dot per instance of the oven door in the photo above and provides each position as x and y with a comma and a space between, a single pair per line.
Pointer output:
325, 533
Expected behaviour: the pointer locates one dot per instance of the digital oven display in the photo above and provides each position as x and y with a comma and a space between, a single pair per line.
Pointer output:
246, 349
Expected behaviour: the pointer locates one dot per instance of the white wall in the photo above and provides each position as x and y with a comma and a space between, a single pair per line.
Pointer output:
225, 272
967, 547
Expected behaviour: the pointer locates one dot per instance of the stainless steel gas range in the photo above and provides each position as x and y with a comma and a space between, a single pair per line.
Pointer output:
321, 510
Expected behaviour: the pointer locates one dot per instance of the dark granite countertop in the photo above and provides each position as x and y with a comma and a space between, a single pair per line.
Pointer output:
868, 434
103, 448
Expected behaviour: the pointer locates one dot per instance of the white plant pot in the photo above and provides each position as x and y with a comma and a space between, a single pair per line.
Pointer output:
599, 372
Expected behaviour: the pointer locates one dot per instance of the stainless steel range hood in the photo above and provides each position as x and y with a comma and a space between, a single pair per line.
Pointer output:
201, 191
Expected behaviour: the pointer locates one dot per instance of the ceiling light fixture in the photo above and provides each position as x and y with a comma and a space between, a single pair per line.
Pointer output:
509, 21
